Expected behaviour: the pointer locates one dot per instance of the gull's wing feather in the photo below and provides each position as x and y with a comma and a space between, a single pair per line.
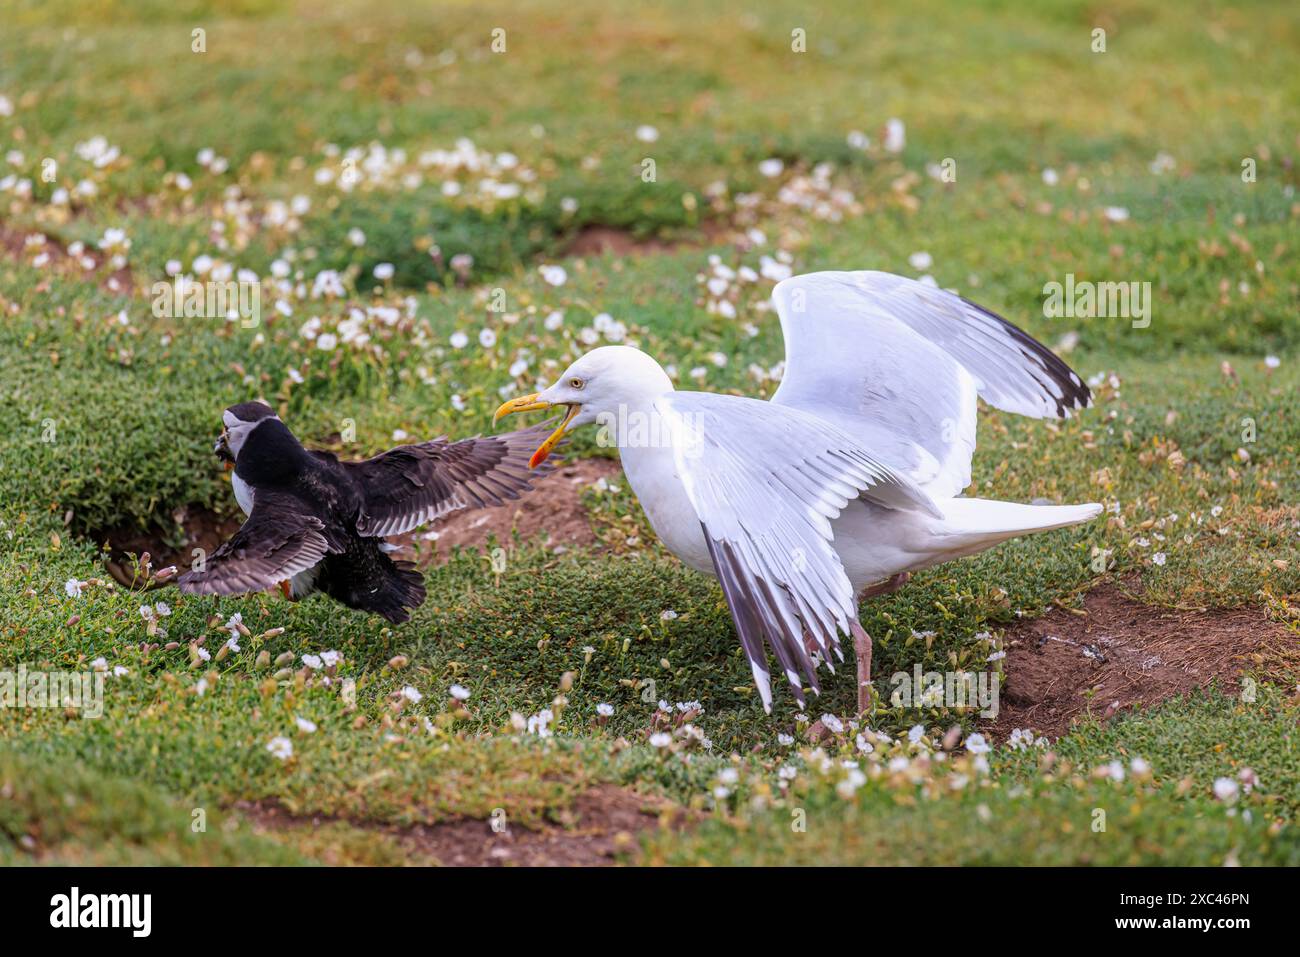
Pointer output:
898, 364
279, 539
765, 483
413, 484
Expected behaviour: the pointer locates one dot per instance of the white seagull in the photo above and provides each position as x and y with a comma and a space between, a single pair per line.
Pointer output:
848, 479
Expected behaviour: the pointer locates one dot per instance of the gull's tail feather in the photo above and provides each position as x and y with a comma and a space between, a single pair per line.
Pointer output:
971, 525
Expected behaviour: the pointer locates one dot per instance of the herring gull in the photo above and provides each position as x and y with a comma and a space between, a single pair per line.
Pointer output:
848, 479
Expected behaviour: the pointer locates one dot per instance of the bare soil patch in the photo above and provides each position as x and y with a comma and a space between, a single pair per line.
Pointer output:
552, 514
13, 244
602, 824
199, 528
596, 240
1122, 654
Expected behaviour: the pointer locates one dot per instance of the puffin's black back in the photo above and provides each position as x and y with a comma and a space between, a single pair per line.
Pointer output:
271, 455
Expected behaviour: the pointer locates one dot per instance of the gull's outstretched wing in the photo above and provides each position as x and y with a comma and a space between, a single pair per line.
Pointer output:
279, 539
413, 484
765, 482
897, 364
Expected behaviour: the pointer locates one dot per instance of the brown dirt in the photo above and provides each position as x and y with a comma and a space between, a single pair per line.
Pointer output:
602, 824
202, 528
598, 240
1122, 654
552, 513
13, 246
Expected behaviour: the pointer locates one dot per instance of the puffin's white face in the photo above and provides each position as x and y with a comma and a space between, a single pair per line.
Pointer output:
598, 384
235, 434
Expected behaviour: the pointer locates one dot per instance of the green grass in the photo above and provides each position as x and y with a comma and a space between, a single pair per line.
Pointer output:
109, 412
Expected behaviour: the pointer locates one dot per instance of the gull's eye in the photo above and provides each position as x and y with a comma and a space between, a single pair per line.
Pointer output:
576, 383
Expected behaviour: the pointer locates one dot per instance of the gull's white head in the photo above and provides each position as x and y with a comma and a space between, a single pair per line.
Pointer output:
600, 383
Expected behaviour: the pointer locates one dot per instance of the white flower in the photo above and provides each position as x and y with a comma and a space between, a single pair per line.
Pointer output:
305, 726
976, 744
99, 664
729, 776
539, 724
832, 724
1116, 214
312, 661
895, 136
785, 740
410, 694
1051, 177
646, 133
487, 338
1272, 361
553, 320
330, 658
327, 283
916, 733
1158, 558
326, 341
554, 275
1225, 789
384, 271
204, 654
73, 588
120, 671
280, 747
356, 237
771, 168
920, 261
1139, 767
605, 710
668, 615
459, 692
459, 340
661, 739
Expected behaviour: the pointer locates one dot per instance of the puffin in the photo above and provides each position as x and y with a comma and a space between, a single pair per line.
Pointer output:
318, 524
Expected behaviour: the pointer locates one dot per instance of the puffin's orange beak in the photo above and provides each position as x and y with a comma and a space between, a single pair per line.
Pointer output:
531, 403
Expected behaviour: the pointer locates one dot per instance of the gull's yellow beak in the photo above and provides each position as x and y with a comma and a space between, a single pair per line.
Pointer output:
531, 403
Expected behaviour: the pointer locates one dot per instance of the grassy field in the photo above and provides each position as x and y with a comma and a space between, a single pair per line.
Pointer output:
397, 185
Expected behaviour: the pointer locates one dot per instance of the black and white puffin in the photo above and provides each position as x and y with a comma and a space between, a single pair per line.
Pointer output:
318, 524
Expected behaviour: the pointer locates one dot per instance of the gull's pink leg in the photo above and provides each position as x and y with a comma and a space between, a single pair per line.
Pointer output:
862, 651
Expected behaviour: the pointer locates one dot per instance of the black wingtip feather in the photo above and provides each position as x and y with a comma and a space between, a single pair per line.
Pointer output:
1074, 392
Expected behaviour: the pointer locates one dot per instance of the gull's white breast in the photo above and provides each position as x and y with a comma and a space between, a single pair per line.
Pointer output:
652, 473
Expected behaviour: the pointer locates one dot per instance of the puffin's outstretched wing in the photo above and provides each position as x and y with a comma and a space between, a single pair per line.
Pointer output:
279, 539
898, 364
765, 482
413, 484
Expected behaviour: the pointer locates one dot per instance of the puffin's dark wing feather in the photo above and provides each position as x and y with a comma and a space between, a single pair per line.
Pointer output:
279, 539
413, 484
